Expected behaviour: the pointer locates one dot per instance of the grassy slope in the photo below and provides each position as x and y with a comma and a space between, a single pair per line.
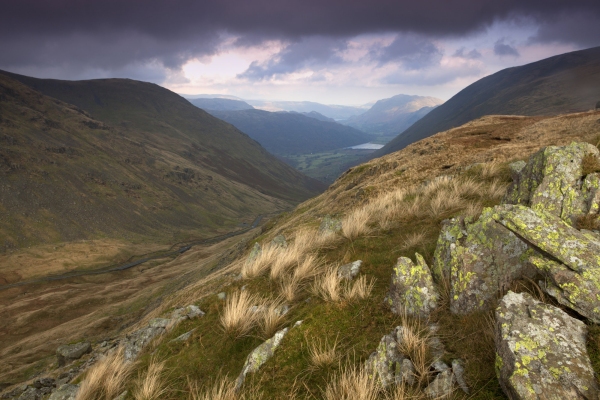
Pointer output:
566, 83
292, 133
358, 326
149, 165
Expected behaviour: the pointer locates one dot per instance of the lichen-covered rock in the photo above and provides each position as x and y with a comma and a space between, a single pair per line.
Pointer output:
65, 392
279, 241
255, 252
184, 337
388, 364
552, 181
70, 352
479, 260
350, 270
135, 342
185, 313
573, 275
412, 289
459, 374
330, 225
442, 385
541, 351
259, 356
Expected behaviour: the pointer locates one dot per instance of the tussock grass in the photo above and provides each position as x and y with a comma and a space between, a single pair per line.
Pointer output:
414, 343
237, 318
352, 383
106, 379
290, 287
356, 223
360, 289
308, 268
222, 389
152, 385
321, 353
413, 240
328, 285
261, 263
271, 318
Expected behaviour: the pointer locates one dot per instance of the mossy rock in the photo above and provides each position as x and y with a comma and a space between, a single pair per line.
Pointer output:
541, 351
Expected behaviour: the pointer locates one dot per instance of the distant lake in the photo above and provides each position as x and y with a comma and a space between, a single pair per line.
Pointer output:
366, 146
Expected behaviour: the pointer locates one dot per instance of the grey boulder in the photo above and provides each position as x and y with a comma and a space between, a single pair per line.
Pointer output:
70, 352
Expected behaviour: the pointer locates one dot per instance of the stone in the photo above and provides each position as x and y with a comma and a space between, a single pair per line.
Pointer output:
388, 364
159, 323
478, 260
259, 356
135, 342
70, 352
541, 351
279, 241
255, 252
442, 385
222, 296
459, 374
350, 270
330, 225
412, 289
122, 396
65, 392
184, 337
552, 181
573, 273
187, 312
30, 393
43, 382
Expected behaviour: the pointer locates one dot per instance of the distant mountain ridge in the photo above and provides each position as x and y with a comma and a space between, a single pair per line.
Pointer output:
220, 104
393, 115
117, 157
285, 133
337, 112
565, 83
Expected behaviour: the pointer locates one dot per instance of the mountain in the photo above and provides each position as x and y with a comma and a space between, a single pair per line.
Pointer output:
285, 133
122, 158
316, 115
221, 104
336, 112
392, 116
565, 83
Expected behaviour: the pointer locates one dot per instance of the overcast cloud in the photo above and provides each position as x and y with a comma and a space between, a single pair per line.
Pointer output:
287, 48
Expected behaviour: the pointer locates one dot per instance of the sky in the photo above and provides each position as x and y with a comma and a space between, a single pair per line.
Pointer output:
347, 52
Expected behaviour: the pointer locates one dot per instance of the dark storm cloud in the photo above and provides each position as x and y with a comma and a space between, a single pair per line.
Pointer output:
414, 52
308, 52
471, 55
116, 33
503, 49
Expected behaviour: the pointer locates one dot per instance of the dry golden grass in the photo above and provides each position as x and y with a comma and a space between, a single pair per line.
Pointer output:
352, 383
321, 353
271, 317
238, 318
222, 389
360, 289
308, 268
413, 240
261, 263
290, 287
414, 343
328, 285
106, 379
152, 385
590, 164
356, 223
588, 221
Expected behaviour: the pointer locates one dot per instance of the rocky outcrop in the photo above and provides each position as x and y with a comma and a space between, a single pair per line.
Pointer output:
255, 252
279, 241
65, 392
388, 364
135, 342
350, 270
69, 352
330, 225
442, 385
259, 356
478, 260
572, 261
541, 351
553, 181
412, 289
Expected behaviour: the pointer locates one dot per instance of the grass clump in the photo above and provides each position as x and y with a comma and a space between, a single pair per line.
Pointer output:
152, 385
238, 317
321, 353
328, 285
588, 221
352, 383
106, 379
361, 289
